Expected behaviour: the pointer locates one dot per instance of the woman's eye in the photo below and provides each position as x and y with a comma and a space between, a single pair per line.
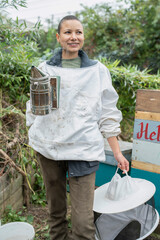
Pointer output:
77, 32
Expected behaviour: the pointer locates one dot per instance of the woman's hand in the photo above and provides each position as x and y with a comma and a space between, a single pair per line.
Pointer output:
123, 163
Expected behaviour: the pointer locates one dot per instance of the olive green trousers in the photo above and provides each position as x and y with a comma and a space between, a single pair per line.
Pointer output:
81, 196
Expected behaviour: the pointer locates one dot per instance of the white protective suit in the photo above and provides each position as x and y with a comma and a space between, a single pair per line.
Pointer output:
87, 110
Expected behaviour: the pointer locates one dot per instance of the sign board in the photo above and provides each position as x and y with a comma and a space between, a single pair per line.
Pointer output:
146, 136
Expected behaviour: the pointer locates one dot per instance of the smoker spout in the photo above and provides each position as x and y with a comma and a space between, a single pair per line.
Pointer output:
36, 72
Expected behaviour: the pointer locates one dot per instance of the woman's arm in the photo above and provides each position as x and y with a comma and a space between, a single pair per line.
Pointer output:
123, 163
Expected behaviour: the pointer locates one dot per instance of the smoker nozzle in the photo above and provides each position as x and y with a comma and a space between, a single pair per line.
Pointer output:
36, 72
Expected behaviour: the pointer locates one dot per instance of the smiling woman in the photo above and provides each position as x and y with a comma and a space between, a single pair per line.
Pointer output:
69, 140
70, 36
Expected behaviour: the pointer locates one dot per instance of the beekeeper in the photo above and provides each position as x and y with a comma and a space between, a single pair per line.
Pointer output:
70, 138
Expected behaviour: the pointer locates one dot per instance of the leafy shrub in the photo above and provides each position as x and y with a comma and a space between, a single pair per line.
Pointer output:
47, 40
11, 215
18, 52
126, 80
130, 34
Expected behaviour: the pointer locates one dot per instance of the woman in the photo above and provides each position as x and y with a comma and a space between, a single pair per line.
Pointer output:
71, 137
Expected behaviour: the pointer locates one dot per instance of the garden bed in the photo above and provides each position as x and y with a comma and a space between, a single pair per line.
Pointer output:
11, 191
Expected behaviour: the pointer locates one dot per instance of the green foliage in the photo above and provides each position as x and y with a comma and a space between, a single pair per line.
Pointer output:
47, 41
43, 232
12, 3
131, 34
39, 195
126, 80
96, 22
11, 215
155, 235
18, 52
144, 17
28, 157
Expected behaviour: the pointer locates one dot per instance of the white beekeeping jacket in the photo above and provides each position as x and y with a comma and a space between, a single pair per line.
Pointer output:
87, 110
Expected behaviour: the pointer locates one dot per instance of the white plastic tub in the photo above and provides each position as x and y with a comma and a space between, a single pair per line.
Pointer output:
17, 231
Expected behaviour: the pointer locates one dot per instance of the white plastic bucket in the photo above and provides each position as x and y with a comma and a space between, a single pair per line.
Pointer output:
17, 231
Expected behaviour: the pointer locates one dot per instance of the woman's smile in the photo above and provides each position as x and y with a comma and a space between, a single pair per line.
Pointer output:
73, 44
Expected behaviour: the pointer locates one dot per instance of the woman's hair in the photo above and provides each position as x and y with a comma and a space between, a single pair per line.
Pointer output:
68, 17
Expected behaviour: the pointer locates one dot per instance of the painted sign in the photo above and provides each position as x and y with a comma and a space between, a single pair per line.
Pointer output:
146, 136
147, 130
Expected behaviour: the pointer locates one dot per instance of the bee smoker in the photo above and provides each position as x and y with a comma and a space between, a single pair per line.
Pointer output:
44, 92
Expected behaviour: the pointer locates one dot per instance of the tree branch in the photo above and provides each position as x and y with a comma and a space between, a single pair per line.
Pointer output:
11, 162
16, 139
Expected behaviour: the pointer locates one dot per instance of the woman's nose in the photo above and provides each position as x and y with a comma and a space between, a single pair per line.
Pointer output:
73, 35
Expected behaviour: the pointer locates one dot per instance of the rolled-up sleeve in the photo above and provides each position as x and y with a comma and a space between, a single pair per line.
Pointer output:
109, 123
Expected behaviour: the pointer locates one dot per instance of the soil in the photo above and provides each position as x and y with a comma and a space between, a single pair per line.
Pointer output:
40, 224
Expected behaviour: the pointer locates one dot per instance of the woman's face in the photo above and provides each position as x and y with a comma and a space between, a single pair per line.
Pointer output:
71, 38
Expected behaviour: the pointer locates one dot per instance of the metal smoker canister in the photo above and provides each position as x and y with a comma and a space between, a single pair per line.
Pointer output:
40, 92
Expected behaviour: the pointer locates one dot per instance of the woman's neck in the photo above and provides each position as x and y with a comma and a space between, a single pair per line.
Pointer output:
69, 55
